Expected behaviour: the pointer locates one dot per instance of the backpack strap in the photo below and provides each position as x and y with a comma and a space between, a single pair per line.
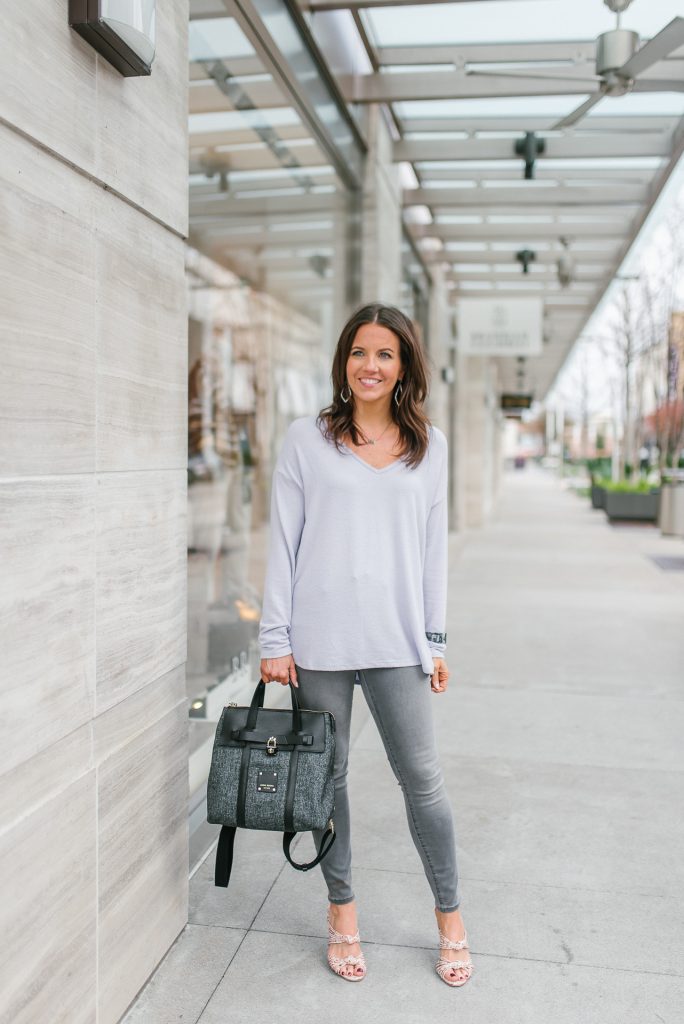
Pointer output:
224, 856
327, 839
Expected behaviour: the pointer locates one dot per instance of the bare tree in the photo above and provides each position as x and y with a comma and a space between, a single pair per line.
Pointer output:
578, 396
661, 294
642, 346
623, 348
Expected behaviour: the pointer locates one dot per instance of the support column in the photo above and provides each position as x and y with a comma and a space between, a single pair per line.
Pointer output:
381, 218
439, 350
441, 403
478, 443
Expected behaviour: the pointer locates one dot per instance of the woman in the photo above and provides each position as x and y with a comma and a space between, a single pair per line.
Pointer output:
356, 588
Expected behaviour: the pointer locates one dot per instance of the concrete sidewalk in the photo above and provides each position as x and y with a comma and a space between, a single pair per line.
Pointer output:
562, 742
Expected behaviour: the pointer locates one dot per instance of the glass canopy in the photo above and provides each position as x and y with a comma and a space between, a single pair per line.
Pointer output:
508, 21
507, 133
470, 84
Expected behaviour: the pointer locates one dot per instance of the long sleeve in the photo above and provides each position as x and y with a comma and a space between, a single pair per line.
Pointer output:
287, 522
435, 570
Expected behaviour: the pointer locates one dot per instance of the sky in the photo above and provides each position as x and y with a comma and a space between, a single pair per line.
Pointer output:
642, 257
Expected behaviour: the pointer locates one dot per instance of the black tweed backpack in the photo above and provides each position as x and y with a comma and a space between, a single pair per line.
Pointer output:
272, 769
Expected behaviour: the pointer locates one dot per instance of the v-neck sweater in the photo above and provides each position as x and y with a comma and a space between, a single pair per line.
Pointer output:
356, 573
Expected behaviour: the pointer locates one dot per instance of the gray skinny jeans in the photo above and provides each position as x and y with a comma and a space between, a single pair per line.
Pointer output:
400, 700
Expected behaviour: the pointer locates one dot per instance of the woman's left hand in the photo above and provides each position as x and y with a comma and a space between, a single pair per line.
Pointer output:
440, 677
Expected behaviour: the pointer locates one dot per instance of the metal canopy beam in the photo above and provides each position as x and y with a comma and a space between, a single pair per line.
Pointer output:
597, 124
205, 98
563, 217
561, 71
582, 303
526, 233
488, 53
264, 239
535, 276
279, 224
596, 176
206, 9
259, 158
226, 208
567, 148
440, 85
507, 259
563, 195
245, 137
305, 82
336, 5
239, 66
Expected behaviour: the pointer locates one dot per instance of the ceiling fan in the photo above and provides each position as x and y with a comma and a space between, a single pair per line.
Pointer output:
619, 62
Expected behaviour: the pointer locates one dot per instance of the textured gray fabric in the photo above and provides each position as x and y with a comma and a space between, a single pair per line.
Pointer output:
314, 793
265, 810
314, 796
221, 792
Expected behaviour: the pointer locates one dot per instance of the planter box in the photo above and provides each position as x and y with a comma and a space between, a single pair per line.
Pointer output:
621, 505
598, 496
671, 518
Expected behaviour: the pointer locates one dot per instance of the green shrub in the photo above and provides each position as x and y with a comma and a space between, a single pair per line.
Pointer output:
598, 468
629, 486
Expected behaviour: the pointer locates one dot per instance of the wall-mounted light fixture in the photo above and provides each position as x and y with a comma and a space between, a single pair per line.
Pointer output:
526, 256
123, 31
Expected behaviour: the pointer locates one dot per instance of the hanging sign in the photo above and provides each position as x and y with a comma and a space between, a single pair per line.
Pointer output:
500, 327
514, 404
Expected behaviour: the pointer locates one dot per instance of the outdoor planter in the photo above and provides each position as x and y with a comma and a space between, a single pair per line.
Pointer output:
671, 519
598, 496
632, 505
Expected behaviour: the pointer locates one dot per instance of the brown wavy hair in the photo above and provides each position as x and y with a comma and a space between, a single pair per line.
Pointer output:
336, 418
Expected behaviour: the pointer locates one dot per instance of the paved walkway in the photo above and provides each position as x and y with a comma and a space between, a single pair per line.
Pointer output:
562, 739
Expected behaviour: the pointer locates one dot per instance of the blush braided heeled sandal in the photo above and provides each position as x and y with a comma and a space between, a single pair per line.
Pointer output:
338, 963
444, 966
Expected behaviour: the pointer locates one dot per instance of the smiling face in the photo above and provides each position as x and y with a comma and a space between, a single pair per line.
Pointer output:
374, 365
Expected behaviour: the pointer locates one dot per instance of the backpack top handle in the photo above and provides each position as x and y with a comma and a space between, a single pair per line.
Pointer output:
258, 702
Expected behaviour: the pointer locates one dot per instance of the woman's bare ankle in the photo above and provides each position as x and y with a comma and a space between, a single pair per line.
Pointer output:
449, 920
343, 913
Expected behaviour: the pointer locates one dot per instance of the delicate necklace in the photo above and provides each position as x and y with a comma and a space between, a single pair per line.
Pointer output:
370, 440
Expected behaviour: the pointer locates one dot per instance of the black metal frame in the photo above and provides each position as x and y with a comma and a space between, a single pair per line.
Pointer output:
85, 17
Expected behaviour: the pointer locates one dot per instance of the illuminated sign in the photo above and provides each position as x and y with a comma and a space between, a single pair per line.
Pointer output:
513, 404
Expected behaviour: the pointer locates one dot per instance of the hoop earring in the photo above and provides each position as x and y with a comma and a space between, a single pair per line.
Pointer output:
398, 391
345, 400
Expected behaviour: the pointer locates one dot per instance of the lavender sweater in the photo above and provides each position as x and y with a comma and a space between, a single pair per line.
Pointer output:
357, 560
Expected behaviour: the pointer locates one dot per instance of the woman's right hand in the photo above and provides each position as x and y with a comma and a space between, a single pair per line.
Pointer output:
279, 670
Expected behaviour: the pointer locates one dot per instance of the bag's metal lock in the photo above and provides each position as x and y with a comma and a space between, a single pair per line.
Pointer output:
271, 745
